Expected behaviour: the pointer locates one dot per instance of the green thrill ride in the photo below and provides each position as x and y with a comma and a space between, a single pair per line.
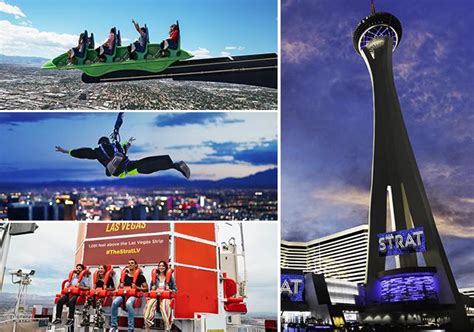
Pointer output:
149, 61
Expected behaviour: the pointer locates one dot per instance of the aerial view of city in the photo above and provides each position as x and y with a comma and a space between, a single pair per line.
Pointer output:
27, 87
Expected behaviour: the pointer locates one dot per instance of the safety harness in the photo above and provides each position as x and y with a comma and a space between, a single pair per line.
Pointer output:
119, 156
128, 291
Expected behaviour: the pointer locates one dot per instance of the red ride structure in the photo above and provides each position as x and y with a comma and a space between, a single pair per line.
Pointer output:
211, 290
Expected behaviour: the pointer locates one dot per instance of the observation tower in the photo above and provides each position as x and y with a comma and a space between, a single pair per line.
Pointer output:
401, 223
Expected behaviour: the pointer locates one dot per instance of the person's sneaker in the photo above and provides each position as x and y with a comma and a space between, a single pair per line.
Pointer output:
57, 321
183, 168
69, 322
113, 329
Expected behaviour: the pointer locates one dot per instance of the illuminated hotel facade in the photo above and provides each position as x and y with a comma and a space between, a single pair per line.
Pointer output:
342, 255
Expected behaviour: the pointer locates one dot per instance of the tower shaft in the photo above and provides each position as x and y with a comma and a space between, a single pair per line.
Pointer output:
394, 166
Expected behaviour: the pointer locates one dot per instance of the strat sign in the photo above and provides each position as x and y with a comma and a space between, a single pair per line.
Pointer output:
292, 287
402, 242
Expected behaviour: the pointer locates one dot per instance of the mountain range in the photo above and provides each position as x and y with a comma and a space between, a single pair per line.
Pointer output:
262, 180
22, 60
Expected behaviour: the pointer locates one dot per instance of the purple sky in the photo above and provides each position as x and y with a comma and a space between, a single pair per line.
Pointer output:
327, 117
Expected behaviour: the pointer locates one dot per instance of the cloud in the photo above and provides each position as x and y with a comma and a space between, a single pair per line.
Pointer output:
234, 48
140, 148
201, 53
467, 200
452, 215
225, 54
348, 195
15, 119
253, 153
297, 51
13, 10
183, 119
263, 153
19, 40
14, 175
21, 256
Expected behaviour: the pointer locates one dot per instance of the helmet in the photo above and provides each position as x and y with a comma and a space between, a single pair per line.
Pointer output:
103, 140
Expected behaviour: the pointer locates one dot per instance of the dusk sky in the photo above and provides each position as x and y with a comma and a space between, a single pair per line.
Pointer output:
216, 145
327, 117
209, 28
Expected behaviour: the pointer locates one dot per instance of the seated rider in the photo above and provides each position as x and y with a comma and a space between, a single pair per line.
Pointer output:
140, 285
140, 44
77, 51
106, 154
99, 284
172, 41
160, 284
71, 301
108, 46
100, 280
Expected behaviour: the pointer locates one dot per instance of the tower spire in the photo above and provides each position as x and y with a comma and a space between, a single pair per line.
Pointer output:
372, 7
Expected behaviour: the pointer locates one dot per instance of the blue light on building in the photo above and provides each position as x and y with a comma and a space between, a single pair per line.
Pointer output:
402, 242
292, 286
409, 287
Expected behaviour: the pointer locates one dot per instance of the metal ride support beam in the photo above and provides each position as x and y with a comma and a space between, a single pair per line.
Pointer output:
4, 246
258, 70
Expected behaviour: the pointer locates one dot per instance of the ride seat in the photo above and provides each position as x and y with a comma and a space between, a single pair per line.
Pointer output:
128, 291
164, 293
142, 55
176, 52
106, 295
91, 41
232, 303
73, 290
85, 45
110, 57
178, 46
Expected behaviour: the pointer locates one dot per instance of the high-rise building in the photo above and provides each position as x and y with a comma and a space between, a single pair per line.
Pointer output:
67, 205
18, 211
342, 255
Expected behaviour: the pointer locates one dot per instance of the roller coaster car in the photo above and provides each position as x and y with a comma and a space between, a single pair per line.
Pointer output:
231, 302
73, 290
128, 291
149, 61
103, 293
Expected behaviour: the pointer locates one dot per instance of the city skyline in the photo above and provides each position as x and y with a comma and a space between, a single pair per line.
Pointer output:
215, 145
327, 114
48, 29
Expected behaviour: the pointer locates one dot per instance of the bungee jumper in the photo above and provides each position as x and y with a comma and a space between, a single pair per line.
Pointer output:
112, 154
